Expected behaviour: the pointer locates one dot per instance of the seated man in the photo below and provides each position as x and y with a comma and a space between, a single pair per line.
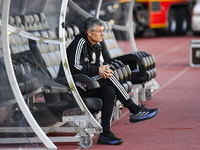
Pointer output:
85, 57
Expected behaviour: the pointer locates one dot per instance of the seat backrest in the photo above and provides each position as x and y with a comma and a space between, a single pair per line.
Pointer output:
37, 22
17, 43
109, 44
11, 21
48, 55
33, 23
26, 22
43, 21
18, 23
70, 35
19, 47
75, 29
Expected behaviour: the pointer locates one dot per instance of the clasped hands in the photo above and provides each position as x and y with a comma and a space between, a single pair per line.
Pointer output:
105, 71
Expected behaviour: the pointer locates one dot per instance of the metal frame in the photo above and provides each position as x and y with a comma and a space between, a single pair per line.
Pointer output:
97, 12
23, 5
81, 11
139, 90
128, 28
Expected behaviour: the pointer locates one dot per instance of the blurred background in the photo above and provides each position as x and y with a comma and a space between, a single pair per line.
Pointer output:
161, 18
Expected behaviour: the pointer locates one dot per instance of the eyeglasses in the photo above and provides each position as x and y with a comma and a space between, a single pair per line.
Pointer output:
100, 31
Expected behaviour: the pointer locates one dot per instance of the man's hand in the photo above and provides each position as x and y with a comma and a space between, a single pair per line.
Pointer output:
105, 71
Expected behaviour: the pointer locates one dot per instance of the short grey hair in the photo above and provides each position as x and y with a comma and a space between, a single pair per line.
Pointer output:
91, 22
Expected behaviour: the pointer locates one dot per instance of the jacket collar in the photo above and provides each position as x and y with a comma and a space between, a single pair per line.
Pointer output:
83, 34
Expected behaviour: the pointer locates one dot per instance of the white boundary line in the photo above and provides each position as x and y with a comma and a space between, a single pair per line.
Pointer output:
170, 81
169, 51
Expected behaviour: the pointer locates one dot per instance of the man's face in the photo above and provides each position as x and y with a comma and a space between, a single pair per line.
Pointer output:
96, 35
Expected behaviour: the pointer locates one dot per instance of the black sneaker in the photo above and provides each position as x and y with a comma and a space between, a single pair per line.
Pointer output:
109, 138
143, 114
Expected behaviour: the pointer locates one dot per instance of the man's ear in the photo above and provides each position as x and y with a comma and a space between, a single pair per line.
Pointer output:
89, 32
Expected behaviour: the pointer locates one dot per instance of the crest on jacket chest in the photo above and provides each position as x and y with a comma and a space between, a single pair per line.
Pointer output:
93, 58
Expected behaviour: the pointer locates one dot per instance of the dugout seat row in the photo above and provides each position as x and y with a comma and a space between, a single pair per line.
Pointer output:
29, 22
19, 47
141, 63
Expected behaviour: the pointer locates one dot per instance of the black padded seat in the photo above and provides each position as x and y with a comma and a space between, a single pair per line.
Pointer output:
138, 66
141, 63
117, 72
93, 107
121, 74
